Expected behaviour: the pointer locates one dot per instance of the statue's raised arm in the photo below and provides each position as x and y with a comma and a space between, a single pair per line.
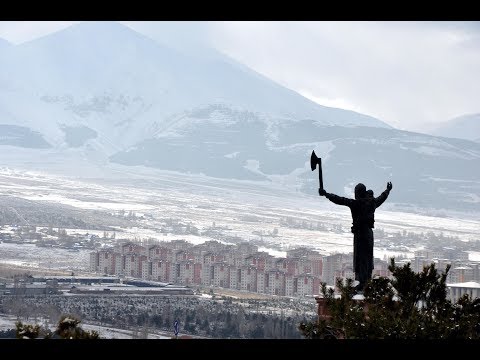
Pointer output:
384, 195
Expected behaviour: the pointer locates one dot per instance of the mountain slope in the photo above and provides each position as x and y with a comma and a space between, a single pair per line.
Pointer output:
462, 127
426, 171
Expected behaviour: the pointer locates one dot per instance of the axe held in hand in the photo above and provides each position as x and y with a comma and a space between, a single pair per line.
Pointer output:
314, 160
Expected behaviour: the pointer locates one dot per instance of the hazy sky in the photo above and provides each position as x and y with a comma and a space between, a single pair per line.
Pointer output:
411, 75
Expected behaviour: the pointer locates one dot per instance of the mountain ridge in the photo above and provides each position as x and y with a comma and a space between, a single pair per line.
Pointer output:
463, 127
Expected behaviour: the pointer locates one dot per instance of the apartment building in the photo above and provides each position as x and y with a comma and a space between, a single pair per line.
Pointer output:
248, 278
457, 290
185, 272
307, 284
275, 282
332, 267
131, 248
163, 270
234, 276
220, 274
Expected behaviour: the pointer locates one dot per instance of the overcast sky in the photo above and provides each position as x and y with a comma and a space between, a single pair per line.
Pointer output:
412, 75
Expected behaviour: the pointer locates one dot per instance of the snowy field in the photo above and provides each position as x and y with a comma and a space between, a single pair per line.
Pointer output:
30, 256
244, 209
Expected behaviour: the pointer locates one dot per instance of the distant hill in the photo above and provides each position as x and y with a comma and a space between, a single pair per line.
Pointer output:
426, 171
4, 44
462, 127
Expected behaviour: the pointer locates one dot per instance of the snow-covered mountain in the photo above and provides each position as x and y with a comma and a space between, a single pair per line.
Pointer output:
4, 44
123, 85
100, 93
426, 170
462, 127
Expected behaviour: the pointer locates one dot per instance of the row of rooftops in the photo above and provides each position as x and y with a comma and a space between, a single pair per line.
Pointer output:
92, 284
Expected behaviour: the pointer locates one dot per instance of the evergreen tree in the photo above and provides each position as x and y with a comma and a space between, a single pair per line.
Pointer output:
408, 306
67, 328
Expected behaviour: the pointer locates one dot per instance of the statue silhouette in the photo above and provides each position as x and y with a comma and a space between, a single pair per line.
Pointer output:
363, 210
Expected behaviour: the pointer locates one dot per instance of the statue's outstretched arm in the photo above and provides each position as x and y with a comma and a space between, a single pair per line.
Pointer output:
339, 200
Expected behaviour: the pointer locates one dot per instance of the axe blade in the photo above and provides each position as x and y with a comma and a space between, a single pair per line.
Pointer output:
313, 160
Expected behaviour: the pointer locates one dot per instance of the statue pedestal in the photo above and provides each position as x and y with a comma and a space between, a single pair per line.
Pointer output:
322, 306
